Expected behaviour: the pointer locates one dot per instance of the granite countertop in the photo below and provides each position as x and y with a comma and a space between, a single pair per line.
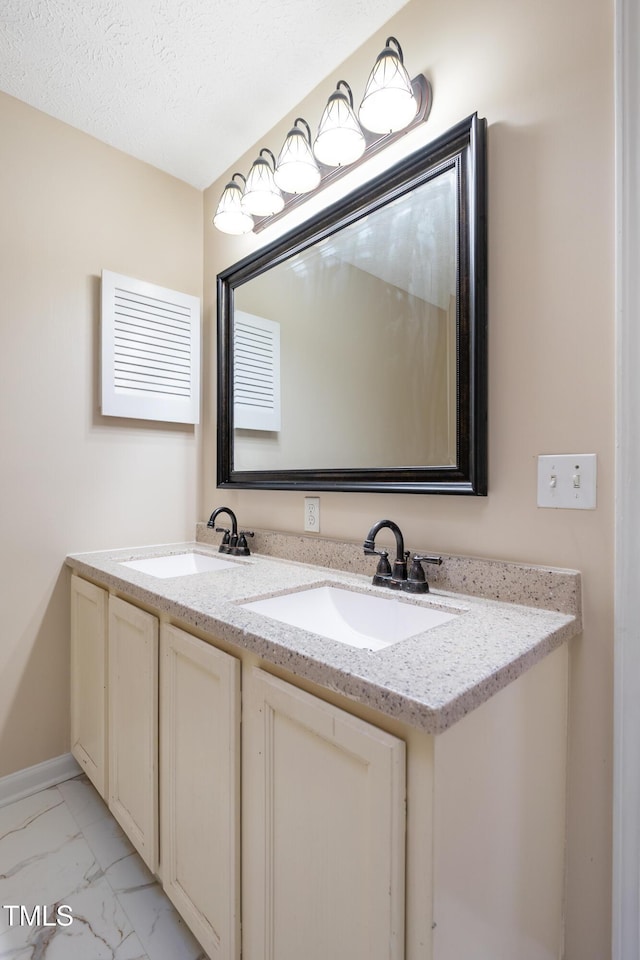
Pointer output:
429, 681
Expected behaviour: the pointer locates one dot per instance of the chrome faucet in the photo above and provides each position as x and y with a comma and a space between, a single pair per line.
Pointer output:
398, 579
233, 543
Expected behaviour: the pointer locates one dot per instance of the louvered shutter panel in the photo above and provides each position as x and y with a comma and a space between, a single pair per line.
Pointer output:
256, 372
150, 351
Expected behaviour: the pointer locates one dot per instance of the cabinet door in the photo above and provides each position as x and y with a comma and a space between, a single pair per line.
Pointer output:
323, 830
88, 680
133, 725
199, 787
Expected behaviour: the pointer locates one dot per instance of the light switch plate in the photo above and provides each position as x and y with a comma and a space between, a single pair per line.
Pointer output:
567, 480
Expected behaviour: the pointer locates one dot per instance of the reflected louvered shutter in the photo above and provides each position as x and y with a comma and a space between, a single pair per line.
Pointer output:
150, 351
256, 372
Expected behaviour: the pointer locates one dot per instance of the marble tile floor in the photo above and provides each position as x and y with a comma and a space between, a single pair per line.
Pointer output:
62, 847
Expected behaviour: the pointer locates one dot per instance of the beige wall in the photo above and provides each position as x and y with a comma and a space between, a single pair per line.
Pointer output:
542, 75
71, 479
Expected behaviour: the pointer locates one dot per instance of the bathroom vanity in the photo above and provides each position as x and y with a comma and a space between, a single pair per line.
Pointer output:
300, 796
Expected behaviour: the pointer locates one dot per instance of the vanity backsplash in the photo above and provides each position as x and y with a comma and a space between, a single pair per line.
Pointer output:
547, 588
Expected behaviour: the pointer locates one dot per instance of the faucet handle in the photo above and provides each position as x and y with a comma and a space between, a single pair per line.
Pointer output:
383, 571
242, 547
416, 581
369, 549
226, 540
428, 558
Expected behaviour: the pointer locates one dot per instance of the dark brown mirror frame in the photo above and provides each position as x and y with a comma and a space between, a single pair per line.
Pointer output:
462, 148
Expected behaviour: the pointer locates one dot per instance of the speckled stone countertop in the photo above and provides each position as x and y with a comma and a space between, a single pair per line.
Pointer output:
429, 680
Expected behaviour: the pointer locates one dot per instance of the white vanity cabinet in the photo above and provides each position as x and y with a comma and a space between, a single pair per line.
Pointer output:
323, 829
200, 787
89, 680
362, 836
133, 725
168, 706
322, 810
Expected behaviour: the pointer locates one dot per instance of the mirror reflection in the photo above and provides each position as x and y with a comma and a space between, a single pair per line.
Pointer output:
366, 325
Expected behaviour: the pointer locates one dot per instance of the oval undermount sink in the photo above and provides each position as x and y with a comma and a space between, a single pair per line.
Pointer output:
179, 564
348, 616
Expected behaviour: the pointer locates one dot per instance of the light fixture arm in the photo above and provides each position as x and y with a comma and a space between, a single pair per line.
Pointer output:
397, 44
343, 83
266, 150
302, 120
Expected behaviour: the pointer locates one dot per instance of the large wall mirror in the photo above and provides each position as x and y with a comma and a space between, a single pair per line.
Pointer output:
352, 351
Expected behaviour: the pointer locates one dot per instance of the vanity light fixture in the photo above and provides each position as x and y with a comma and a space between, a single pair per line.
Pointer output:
296, 169
388, 103
391, 106
262, 197
340, 139
230, 217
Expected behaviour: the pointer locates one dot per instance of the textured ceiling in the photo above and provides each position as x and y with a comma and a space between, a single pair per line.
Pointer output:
186, 85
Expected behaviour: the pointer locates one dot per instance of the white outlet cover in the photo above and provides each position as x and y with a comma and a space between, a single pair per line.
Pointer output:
312, 514
568, 481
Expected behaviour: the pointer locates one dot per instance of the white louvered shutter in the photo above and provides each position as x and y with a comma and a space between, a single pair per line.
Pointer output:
256, 372
150, 351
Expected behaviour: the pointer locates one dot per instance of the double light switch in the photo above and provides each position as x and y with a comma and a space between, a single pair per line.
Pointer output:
567, 480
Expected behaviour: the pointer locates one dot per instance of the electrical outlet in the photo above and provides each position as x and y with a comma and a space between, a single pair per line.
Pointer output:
567, 480
312, 514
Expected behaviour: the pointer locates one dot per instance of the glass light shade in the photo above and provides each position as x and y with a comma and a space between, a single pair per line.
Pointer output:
388, 103
296, 169
230, 217
261, 197
339, 140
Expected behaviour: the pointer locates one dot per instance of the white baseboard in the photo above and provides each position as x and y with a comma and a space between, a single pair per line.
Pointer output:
23, 783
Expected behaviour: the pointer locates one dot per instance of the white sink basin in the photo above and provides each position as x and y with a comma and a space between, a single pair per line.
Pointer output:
179, 564
357, 619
